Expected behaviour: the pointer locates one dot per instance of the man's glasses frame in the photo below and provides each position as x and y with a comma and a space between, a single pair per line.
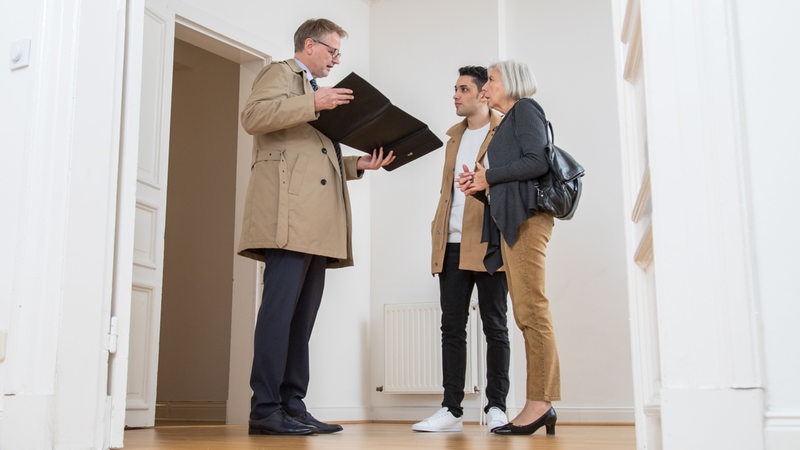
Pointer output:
335, 53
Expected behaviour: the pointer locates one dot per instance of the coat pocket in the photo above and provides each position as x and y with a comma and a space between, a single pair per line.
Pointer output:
298, 174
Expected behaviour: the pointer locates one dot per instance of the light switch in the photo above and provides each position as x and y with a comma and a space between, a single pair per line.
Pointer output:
20, 54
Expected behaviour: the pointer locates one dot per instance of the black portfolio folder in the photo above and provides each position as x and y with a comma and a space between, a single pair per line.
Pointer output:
371, 121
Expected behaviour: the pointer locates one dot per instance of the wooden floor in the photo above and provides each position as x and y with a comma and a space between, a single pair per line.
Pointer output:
380, 436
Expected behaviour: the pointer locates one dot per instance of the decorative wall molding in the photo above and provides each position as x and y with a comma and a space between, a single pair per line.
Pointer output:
652, 410
782, 430
645, 347
630, 21
144, 241
632, 36
643, 198
153, 136
138, 380
644, 252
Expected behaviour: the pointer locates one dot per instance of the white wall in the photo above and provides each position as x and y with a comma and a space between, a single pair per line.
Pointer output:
22, 300
768, 37
16, 90
568, 44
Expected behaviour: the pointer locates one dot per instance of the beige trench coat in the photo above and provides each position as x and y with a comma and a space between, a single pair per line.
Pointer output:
297, 198
472, 250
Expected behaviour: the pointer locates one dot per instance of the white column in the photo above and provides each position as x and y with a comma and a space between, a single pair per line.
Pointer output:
712, 388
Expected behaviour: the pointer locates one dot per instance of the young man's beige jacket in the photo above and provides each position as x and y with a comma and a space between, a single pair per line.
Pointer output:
472, 250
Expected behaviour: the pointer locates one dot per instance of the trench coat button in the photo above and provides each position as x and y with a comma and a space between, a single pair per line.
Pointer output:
323, 181
324, 150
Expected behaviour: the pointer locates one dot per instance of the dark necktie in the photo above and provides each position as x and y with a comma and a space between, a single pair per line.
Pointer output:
314, 84
338, 150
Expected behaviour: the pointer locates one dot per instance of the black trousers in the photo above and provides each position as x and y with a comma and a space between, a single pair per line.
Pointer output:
455, 288
293, 285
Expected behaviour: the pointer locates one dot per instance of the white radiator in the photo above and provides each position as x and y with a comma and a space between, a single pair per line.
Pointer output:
413, 349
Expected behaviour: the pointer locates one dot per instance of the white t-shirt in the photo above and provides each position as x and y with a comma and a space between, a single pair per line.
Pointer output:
467, 154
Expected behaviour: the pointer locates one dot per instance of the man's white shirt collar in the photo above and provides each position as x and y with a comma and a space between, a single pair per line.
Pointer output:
305, 69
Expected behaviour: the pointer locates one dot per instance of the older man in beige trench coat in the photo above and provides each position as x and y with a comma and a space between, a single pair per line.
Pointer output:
296, 219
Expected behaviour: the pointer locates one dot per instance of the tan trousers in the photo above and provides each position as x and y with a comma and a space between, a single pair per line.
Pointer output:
525, 271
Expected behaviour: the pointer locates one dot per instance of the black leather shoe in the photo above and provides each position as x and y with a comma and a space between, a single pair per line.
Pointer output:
548, 420
279, 423
321, 427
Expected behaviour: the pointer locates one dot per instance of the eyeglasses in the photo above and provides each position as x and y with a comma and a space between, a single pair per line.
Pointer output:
332, 50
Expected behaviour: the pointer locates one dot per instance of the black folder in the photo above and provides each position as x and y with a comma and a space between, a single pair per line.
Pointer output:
371, 121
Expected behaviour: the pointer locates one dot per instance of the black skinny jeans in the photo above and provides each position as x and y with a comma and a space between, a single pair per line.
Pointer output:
455, 288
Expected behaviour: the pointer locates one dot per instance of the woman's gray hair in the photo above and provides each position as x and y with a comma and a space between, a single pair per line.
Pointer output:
516, 77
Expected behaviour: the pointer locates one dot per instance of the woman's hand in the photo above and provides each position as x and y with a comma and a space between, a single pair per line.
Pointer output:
375, 161
464, 180
470, 182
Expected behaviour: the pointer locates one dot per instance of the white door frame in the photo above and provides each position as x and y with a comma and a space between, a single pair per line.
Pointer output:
126, 195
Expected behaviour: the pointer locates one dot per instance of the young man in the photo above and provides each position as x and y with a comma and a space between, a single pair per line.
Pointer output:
296, 220
457, 257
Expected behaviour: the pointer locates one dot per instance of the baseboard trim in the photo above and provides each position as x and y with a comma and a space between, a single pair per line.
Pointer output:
566, 414
782, 430
595, 415
208, 411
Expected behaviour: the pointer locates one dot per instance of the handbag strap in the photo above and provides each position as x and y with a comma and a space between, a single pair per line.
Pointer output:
540, 110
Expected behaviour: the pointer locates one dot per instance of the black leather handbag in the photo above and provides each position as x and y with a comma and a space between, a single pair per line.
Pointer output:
559, 190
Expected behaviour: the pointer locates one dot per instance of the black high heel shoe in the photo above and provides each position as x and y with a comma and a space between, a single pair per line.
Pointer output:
547, 419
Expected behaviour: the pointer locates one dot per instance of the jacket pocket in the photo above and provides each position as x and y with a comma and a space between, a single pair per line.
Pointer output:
298, 174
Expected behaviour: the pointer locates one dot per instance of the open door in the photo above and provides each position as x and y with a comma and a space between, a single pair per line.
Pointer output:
151, 198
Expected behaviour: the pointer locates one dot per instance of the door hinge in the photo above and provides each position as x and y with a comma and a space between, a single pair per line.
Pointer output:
111, 336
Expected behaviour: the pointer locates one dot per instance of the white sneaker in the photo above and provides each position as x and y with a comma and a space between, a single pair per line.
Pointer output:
495, 418
443, 420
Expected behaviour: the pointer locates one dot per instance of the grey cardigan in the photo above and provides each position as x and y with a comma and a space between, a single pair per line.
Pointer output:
516, 157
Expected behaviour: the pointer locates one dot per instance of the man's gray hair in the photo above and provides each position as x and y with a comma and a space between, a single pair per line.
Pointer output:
315, 29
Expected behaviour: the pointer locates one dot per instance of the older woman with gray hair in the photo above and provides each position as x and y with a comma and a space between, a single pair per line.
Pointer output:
516, 156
